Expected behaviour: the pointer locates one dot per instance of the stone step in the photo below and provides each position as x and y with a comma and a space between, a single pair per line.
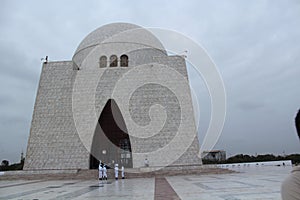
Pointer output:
93, 173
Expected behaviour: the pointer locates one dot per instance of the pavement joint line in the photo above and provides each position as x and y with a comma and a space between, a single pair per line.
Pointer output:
72, 195
163, 190
12, 196
19, 184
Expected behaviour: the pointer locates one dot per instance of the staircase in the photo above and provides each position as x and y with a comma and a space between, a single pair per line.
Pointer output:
86, 174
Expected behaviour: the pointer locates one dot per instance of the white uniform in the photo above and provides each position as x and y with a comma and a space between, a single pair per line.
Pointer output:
104, 172
100, 172
146, 162
116, 171
123, 172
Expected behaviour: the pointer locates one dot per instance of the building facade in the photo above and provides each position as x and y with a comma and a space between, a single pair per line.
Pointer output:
121, 99
214, 155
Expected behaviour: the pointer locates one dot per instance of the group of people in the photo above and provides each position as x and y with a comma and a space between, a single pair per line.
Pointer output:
103, 171
117, 172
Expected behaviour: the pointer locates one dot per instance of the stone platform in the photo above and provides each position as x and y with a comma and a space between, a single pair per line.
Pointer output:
147, 172
250, 183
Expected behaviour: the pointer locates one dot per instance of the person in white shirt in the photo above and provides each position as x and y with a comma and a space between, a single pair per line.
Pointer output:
104, 172
100, 171
116, 171
146, 162
122, 172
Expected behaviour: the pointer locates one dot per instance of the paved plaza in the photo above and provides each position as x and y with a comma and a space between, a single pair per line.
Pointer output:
250, 183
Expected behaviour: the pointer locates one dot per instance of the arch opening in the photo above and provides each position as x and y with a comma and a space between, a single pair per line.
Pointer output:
103, 61
111, 142
113, 60
124, 60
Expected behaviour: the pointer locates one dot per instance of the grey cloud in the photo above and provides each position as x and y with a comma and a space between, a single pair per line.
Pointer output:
5, 99
16, 65
250, 105
253, 43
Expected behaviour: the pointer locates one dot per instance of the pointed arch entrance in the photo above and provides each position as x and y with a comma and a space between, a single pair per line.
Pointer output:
111, 142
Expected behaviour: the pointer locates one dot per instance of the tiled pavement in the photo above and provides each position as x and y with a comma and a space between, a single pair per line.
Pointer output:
250, 183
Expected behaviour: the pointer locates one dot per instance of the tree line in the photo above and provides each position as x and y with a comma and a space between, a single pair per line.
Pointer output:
242, 158
5, 166
239, 158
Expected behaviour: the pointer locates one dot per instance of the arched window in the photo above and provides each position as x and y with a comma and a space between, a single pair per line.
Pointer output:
113, 61
124, 60
103, 62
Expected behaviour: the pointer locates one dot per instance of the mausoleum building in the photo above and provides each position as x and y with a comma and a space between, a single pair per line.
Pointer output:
121, 99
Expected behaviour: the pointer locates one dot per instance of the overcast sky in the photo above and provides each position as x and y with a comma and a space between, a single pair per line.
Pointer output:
255, 45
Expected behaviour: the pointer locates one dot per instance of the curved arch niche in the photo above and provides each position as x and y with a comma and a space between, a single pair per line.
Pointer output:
111, 143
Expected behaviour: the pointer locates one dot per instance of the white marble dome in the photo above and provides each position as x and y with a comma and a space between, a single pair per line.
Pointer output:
116, 33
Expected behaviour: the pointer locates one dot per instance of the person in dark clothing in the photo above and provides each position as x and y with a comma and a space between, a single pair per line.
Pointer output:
297, 123
290, 188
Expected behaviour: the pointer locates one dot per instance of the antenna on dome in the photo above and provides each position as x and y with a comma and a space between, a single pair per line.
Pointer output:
45, 60
184, 53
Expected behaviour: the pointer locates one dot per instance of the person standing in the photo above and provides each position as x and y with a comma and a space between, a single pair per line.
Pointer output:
290, 187
100, 171
122, 172
104, 172
116, 171
146, 162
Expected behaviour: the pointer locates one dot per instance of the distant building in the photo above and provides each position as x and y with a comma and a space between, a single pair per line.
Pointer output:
214, 155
